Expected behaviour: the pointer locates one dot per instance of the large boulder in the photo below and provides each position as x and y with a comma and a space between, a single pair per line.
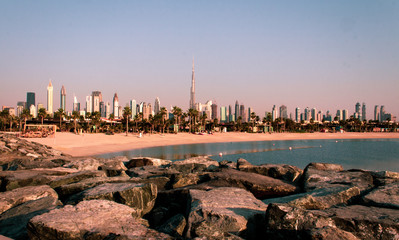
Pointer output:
385, 177
140, 197
320, 198
85, 164
76, 177
114, 167
221, 211
195, 164
151, 171
21, 195
174, 226
261, 186
95, 219
14, 179
322, 175
182, 180
286, 222
25, 162
280, 171
384, 196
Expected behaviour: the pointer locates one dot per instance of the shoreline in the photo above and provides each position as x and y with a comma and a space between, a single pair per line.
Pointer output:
100, 143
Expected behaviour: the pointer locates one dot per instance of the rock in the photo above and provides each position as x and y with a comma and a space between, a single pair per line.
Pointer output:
139, 162
261, 186
160, 182
243, 164
33, 155
331, 233
174, 226
317, 176
219, 211
5, 238
76, 177
182, 180
227, 164
385, 177
151, 171
280, 171
95, 219
24, 163
384, 196
13, 222
33, 177
141, 197
18, 196
113, 167
66, 190
195, 164
285, 222
86, 164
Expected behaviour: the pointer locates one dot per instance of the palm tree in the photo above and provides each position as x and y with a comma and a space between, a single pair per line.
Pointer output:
4, 117
191, 113
60, 113
163, 113
253, 118
25, 115
42, 114
95, 117
126, 114
177, 112
203, 118
75, 116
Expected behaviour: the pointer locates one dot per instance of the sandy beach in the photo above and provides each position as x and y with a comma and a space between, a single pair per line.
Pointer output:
94, 144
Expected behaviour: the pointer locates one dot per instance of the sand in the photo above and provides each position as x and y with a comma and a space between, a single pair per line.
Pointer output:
94, 144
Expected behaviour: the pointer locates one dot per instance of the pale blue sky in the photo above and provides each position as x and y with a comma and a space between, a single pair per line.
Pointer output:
323, 54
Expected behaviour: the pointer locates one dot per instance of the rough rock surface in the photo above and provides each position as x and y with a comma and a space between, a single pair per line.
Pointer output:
196, 164
174, 226
222, 210
261, 186
76, 177
140, 197
384, 196
320, 198
280, 171
85, 164
95, 219
19, 196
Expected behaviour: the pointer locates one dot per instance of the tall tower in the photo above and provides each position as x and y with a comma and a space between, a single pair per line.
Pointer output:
116, 106
50, 98
157, 106
30, 99
192, 93
97, 99
363, 111
63, 98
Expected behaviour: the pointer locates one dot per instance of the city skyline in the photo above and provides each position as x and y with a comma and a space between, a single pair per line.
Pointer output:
326, 55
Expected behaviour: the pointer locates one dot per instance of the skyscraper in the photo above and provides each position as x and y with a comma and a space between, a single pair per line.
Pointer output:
283, 112
192, 93
116, 106
223, 114
377, 113
345, 114
297, 115
307, 114
107, 110
30, 99
314, 114
382, 113
274, 113
97, 98
357, 113
89, 104
76, 105
363, 111
237, 111
63, 98
102, 110
214, 108
50, 98
157, 107
133, 108
243, 114
231, 115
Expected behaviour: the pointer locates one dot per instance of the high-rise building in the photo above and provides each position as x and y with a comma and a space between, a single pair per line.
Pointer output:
20, 109
214, 108
97, 98
76, 105
231, 115
297, 115
357, 113
382, 113
30, 99
116, 106
339, 115
192, 92
39, 106
274, 113
22, 104
107, 110
249, 114
243, 114
283, 112
237, 111
102, 110
133, 108
147, 109
89, 104
63, 98
377, 113
307, 114
345, 114
157, 106
33, 111
50, 98
364, 112
313, 113
223, 114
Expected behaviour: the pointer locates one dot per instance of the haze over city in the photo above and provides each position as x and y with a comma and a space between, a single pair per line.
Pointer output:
327, 55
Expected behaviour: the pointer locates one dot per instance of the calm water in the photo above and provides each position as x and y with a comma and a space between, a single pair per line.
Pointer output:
372, 154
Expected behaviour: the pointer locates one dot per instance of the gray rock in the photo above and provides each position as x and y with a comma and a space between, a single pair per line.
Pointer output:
174, 226
280, 171
385, 177
140, 197
227, 164
33, 177
182, 180
86, 164
13, 222
76, 177
220, 211
113, 167
331, 233
151, 171
24, 163
318, 176
21, 195
320, 198
384, 196
243, 164
195, 164
95, 219
261, 186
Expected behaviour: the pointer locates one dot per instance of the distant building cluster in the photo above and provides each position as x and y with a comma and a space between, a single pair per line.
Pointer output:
232, 113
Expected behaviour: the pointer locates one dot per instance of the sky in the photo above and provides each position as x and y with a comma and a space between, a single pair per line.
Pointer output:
322, 54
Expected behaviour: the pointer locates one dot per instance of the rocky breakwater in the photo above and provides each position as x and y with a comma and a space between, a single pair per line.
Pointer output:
45, 194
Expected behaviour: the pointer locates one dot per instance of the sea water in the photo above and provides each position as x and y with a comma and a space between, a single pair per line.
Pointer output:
370, 154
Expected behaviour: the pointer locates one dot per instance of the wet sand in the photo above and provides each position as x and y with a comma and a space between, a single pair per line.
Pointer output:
94, 144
